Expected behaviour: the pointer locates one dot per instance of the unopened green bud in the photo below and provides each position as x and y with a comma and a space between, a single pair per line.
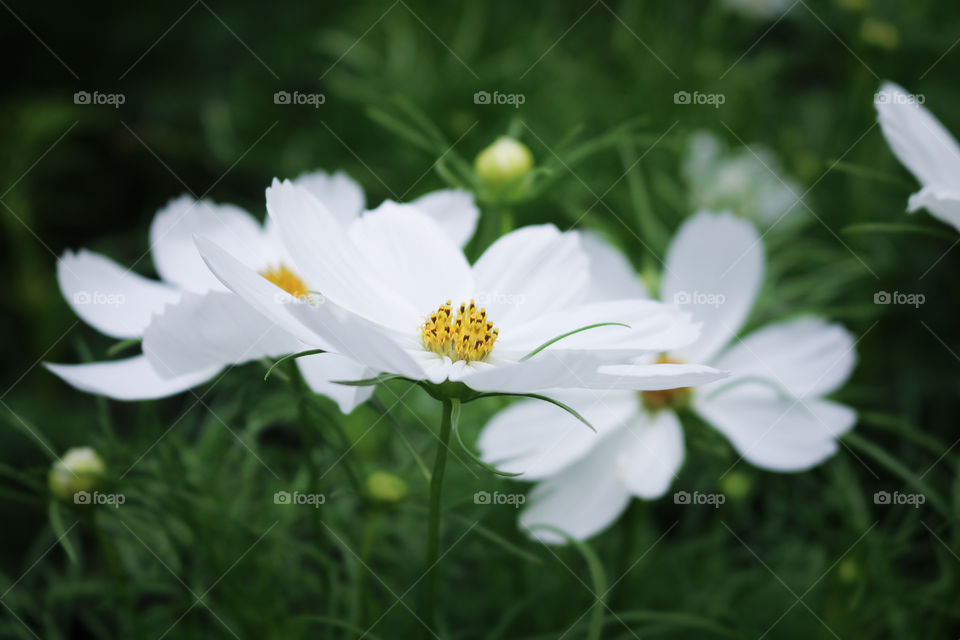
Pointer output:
386, 488
504, 162
80, 469
735, 484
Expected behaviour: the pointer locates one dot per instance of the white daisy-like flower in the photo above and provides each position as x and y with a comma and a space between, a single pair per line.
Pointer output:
400, 297
772, 408
750, 181
124, 305
926, 148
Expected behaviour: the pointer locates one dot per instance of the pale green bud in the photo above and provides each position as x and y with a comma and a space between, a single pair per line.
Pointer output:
386, 488
504, 162
80, 469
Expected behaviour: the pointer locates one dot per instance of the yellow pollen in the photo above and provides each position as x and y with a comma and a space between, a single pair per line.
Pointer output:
286, 280
666, 398
465, 334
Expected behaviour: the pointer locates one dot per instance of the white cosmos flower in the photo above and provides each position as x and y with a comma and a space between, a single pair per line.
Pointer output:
386, 281
771, 408
926, 148
750, 181
125, 305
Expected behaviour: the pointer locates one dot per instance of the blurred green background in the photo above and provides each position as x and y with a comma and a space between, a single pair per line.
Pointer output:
598, 81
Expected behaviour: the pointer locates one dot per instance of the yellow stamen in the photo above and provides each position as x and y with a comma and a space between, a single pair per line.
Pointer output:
666, 398
286, 280
466, 334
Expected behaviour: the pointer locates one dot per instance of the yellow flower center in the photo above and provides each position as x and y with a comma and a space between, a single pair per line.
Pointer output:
465, 335
666, 398
286, 280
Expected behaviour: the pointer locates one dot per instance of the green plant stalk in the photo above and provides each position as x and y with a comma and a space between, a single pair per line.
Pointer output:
433, 520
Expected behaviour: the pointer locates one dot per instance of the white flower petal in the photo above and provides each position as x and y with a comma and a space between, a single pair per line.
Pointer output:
651, 327
774, 430
319, 371
454, 210
330, 261
321, 325
213, 329
129, 379
111, 299
651, 454
808, 356
338, 192
537, 439
584, 370
714, 269
413, 257
582, 500
612, 277
357, 338
918, 139
943, 203
529, 272
175, 255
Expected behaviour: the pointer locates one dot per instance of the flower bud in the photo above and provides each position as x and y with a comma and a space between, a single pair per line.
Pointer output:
736, 484
503, 162
80, 469
386, 488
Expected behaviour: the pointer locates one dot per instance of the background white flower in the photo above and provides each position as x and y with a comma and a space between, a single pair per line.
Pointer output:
750, 181
771, 408
125, 305
391, 271
926, 148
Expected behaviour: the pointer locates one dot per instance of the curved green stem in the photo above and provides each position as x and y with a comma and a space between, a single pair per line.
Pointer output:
433, 521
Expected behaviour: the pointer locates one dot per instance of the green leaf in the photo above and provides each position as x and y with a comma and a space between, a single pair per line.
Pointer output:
597, 577
899, 227
122, 346
674, 619
369, 382
570, 333
61, 532
292, 356
454, 421
898, 468
537, 396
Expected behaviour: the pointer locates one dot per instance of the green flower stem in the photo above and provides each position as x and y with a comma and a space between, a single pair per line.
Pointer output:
433, 522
